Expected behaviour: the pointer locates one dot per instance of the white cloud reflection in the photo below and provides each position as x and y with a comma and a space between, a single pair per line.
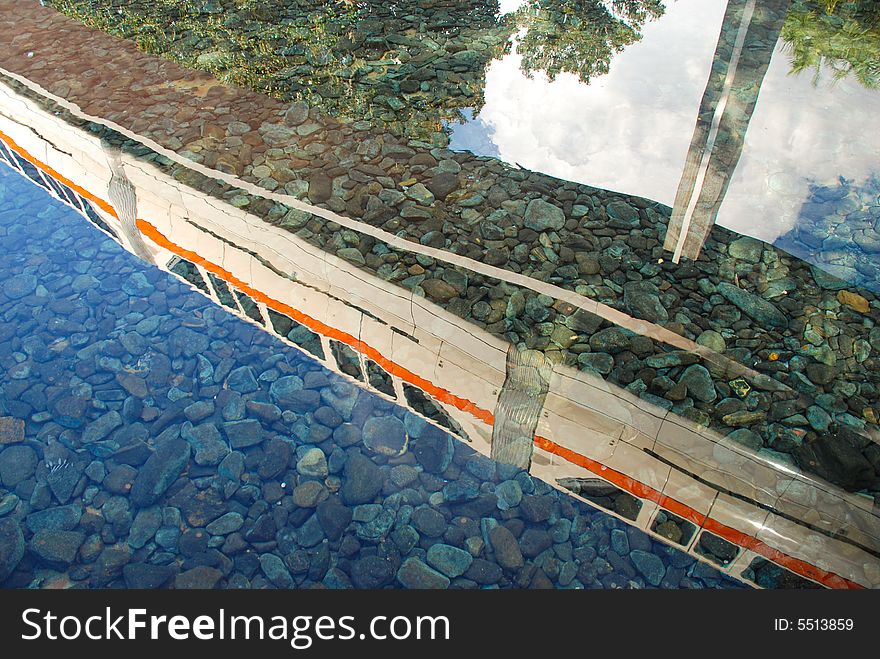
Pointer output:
800, 134
510, 6
628, 130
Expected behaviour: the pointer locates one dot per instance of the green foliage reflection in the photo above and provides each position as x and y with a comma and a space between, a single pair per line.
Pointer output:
842, 37
579, 36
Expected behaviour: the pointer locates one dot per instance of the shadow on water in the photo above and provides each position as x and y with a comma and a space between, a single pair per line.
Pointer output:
838, 230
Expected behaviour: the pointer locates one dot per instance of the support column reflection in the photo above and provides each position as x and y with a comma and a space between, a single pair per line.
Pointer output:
748, 38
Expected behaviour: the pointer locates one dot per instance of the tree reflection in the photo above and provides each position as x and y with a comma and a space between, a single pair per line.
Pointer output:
843, 37
410, 65
407, 64
579, 36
